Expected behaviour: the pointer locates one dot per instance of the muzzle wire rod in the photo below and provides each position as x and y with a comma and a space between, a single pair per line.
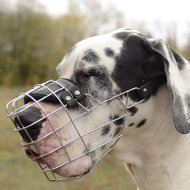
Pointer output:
34, 142
50, 121
69, 114
15, 110
61, 165
81, 136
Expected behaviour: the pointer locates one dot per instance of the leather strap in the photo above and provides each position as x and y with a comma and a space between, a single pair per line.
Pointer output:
66, 91
150, 87
69, 93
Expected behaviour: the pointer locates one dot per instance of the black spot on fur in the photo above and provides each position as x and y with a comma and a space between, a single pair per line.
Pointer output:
103, 81
99, 75
109, 52
131, 124
133, 110
118, 121
106, 130
134, 63
141, 123
90, 56
118, 130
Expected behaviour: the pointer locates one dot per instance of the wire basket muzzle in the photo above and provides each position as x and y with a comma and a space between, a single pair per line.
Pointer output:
65, 130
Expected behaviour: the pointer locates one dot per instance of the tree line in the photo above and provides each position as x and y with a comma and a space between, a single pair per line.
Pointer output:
32, 42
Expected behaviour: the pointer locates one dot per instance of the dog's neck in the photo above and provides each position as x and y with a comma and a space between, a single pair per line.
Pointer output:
156, 155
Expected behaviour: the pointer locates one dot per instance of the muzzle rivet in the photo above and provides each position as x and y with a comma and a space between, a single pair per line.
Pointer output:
77, 92
68, 98
145, 90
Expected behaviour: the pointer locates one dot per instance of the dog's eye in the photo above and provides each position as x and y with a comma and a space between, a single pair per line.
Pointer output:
88, 73
94, 72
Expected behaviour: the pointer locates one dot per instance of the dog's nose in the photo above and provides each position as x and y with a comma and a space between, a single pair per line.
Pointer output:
29, 123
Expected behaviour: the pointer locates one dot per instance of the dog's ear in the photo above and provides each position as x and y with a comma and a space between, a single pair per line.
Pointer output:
175, 69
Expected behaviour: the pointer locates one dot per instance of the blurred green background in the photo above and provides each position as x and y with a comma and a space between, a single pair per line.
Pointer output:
32, 43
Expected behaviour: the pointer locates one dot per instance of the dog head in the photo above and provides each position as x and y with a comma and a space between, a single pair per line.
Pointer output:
104, 66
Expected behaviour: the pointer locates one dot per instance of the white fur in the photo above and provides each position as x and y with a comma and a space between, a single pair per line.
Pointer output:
157, 155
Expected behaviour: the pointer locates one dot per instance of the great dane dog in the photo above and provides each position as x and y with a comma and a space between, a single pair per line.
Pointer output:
155, 145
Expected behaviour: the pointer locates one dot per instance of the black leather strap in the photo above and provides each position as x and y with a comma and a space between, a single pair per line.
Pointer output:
150, 87
66, 91
69, 93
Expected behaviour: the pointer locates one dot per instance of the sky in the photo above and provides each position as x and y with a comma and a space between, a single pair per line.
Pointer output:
150, 12
165, 10
153, 13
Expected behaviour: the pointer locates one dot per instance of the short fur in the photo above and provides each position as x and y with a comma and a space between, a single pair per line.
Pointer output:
153, 147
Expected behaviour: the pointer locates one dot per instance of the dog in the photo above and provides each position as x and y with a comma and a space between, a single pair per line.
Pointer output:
155, 142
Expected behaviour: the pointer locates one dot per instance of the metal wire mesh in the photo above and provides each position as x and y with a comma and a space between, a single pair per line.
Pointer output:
16, 107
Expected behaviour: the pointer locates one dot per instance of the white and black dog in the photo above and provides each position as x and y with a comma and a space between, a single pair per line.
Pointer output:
155, 145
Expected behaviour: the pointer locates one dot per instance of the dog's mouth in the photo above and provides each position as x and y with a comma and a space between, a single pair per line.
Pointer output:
34, 156
61, 166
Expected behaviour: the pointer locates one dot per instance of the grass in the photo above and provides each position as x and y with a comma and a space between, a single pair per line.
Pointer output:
19, 173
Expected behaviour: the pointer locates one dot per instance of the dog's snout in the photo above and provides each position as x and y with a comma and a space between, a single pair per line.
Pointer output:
29, 123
